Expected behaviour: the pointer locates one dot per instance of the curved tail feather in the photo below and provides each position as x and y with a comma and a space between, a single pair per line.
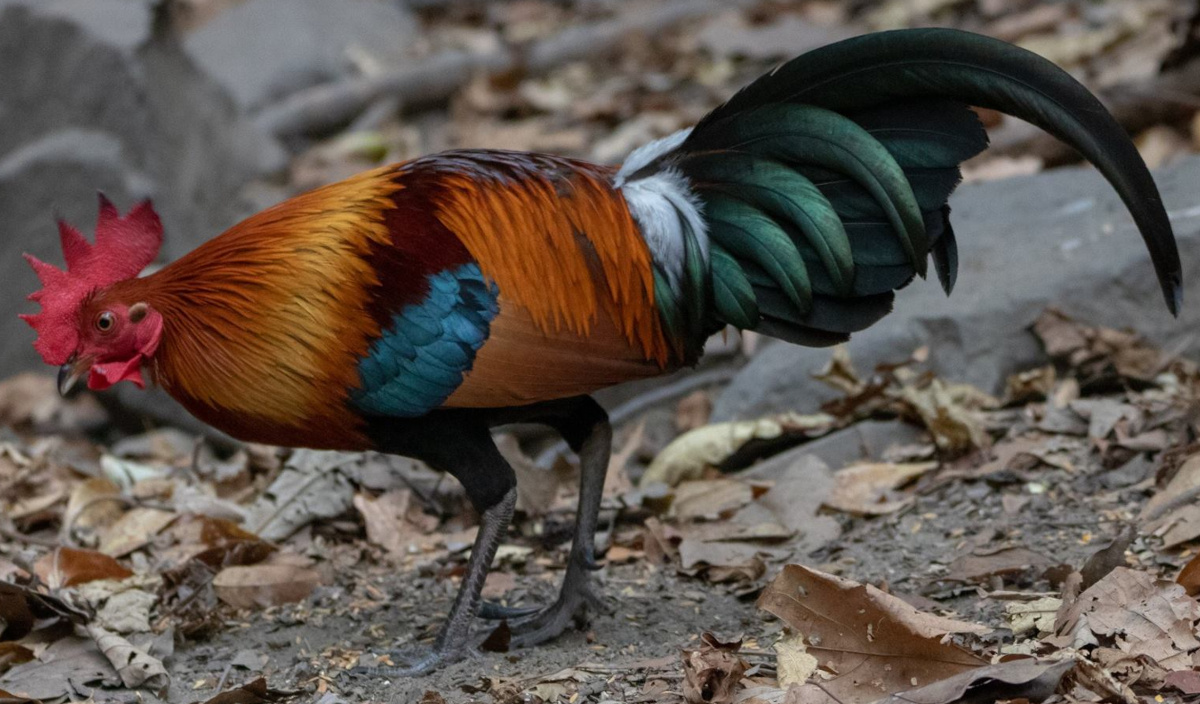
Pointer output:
824, 183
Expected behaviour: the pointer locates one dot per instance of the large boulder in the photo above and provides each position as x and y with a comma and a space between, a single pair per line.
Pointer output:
90, 100
262, 50
1062, 238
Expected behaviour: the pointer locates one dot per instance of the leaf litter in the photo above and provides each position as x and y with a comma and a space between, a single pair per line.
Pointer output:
993, 517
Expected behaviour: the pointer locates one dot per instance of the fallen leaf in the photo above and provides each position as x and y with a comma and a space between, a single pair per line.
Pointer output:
311, 487
538, 488
68, 567
13, 654
1136, 614
980, 566
865, 488
796, 500
1031, 385
394, 519
10, 698
95, 503
946, 412
1034, 618
793, 663
67, 667
256, 692
134, 530
691, 453
712, 673
1025, 679
261, 586
1189, 576
1108, 558
709, 499
135, 667
874, 643
1185, 681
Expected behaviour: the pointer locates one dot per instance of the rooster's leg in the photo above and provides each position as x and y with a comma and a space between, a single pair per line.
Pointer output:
586, 429
489, 481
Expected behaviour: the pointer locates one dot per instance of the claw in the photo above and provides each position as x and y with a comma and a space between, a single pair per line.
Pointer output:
417, 662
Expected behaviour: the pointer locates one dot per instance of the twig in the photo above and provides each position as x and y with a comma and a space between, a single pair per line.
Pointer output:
327, 106
224, 678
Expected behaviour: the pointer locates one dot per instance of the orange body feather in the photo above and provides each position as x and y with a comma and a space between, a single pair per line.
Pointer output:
265, 324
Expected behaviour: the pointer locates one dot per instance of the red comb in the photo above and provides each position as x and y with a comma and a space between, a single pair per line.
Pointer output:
124, 246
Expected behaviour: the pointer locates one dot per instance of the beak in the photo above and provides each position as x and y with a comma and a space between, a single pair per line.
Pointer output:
69, 374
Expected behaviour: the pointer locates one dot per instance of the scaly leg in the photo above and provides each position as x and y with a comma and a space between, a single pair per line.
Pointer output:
467, 452
587, 430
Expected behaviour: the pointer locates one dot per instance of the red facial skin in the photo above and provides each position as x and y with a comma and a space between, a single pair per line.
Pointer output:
115, 340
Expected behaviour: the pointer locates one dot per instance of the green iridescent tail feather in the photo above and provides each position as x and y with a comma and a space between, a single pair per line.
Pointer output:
825, 182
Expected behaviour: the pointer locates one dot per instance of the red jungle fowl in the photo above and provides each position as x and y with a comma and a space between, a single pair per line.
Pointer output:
413, 308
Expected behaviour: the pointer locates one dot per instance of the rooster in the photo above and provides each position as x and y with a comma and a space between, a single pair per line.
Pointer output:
411, 309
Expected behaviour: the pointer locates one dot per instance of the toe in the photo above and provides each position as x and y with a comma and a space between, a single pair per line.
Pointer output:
491, 611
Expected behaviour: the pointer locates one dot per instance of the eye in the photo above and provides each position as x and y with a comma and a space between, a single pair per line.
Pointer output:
105, 321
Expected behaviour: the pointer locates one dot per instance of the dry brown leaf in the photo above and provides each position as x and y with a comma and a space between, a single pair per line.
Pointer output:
1173, 511
793, 663
68, 567
216, 542
1031, 385
394, 519
865, 489
709, 499
538, 489
1014, 680
875, 644
1032, 617
720, 562
947, 411
712, 673
134, 530
691, 453
12, 653
1096, 353
1189, 576
95, 503
1137, 614
256, 692
981, 565
261, 586
1108, 558
136, 667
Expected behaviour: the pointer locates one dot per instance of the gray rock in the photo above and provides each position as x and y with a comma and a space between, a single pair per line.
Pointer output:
1061, 238
91, 101
262, 50
862, 441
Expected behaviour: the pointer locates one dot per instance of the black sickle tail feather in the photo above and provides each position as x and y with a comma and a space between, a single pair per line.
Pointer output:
825, 182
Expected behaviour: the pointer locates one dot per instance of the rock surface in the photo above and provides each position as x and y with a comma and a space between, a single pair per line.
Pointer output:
262, 50
1060, 238
91, 101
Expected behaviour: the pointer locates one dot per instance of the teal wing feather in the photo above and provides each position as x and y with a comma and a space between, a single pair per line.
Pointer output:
419, 361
